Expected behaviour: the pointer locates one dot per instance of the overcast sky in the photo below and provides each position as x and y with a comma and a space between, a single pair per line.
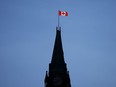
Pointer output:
27, 34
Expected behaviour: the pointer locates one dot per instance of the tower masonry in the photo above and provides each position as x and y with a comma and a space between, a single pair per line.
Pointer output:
57, 76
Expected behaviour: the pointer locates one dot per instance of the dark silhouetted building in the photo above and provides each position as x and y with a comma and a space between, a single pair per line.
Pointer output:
57, 76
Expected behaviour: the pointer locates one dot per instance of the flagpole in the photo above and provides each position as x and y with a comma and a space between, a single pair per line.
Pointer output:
58, 21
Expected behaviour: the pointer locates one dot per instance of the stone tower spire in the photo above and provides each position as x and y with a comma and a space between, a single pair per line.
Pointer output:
58, 55
58, 76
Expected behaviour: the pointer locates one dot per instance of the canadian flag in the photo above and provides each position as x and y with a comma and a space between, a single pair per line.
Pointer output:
63, 13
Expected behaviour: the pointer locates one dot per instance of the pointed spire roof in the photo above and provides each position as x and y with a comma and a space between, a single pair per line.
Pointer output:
58, 56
